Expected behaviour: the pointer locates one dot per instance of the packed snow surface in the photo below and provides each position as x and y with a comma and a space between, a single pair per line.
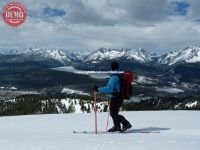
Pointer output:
169, 130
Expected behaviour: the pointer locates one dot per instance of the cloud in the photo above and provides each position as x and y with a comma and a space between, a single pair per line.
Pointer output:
157, 25
194, 10
143, 11
114, 12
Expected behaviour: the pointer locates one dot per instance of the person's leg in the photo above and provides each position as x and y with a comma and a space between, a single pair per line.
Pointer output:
125, 123
115, 105
121, 118
114, 110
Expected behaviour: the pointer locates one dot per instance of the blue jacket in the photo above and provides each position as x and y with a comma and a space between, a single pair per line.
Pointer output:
112, 86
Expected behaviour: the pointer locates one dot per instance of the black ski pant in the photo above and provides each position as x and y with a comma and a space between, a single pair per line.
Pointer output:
115, 105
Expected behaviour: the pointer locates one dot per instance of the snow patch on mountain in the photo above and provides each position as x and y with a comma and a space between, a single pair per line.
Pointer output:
13, 88
188, 55
169, 90
8, 88
66, 69
71, 91
139, 55
145, 80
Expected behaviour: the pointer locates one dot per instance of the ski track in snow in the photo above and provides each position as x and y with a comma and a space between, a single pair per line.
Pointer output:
179, 130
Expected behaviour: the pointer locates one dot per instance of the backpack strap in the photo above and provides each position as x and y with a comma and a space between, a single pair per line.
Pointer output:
115, 92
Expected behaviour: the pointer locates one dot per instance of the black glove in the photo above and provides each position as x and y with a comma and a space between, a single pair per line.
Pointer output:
95, 88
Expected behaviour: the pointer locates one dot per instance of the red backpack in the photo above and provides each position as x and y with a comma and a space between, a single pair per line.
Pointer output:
126, 80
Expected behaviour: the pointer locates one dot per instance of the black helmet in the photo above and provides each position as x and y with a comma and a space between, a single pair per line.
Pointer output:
114, 65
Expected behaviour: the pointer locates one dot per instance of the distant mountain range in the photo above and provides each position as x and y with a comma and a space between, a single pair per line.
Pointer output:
31, 68
190, 55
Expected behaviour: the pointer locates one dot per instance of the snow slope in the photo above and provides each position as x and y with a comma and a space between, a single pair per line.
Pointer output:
179, 130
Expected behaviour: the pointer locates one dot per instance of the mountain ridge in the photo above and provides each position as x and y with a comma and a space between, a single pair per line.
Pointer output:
190, 54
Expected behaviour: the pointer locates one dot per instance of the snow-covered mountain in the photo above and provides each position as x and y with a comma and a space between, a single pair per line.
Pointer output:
139, 55
60, 55
190, 54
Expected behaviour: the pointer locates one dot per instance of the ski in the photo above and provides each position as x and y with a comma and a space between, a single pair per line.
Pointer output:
105, 132
94, 132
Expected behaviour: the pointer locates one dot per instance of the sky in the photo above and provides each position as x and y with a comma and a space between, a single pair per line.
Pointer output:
86, 25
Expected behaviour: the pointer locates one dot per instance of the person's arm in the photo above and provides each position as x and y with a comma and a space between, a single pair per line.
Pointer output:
110, 86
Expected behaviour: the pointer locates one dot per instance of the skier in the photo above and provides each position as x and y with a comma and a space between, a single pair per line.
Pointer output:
113, 89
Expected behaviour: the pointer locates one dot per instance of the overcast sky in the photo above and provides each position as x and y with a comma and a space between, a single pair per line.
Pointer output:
156, 25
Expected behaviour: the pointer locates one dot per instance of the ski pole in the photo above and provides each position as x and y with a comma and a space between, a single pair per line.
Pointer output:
95, 110
108, 116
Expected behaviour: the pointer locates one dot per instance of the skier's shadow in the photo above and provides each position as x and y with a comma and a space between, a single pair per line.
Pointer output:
147, 130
